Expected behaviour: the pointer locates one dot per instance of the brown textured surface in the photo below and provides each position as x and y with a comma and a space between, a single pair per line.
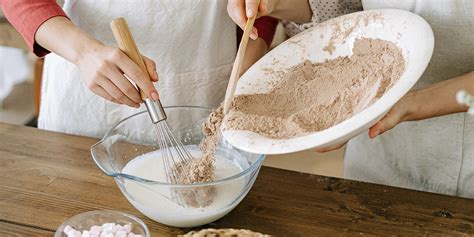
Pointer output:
223, 233
46, 177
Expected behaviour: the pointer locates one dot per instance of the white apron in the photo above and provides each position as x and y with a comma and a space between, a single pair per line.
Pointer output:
192, 42
436, 154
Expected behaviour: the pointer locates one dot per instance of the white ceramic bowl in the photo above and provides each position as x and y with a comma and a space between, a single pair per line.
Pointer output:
408, 31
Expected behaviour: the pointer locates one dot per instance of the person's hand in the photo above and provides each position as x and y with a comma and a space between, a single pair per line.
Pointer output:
298, 11
400, 112
103, 68
241, 10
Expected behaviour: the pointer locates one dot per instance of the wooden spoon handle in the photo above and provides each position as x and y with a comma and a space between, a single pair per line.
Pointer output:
126, 43
234, 75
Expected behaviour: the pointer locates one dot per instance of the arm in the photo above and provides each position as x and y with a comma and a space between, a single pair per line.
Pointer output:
102, 67
256, 49
26, 16
436, 100
298, 11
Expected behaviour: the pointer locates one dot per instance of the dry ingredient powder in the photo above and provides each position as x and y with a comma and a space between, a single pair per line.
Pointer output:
201, 169
312, 97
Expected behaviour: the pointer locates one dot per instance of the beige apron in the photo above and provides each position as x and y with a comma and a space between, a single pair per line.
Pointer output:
192, 42
436, 154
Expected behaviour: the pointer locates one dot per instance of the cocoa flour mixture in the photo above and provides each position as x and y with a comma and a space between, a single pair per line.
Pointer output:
314, 96
201, 169
310, 97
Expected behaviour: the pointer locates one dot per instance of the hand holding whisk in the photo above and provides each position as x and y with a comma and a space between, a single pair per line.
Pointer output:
174, 154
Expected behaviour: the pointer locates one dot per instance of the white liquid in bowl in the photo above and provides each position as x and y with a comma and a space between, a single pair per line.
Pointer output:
155, 200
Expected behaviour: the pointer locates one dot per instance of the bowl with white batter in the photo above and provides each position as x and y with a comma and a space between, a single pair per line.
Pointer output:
130, 154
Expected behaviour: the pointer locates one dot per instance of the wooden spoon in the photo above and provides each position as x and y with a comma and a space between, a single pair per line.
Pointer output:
234, 76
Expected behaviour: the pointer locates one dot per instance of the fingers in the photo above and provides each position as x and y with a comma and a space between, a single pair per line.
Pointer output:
133, 71
115, 92
251, 8
239, 12
328, 149
390, 120
123, 84
263, 8
236, 10
151, 68
254, 33
104, 94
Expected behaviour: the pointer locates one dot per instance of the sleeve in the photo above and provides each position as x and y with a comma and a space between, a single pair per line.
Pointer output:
266, 27
27, 16
323, 10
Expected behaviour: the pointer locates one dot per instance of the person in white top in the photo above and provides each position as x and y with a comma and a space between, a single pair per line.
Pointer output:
428, 139
193, 42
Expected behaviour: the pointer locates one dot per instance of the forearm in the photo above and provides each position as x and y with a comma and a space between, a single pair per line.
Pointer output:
255, 50
298, 11
440, 98
61, 36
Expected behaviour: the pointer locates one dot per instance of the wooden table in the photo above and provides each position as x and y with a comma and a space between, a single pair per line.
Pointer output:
46, 177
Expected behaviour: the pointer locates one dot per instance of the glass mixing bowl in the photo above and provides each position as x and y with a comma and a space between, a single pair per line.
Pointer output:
130, 142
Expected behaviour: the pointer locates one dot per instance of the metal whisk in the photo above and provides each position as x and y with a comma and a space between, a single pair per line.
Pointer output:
173, 152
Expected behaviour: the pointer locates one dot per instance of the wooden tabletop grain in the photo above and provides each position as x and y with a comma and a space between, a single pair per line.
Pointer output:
47, 177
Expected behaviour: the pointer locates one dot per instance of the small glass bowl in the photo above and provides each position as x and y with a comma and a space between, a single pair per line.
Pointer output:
85, 220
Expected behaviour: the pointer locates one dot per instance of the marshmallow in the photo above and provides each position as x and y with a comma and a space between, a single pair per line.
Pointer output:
109, 227
74, 233
121, 233
86, 233
95, 230
68, 229
106, 230
104, 234
128, 227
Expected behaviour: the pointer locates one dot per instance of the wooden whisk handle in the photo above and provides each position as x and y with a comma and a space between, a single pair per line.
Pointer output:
126, 43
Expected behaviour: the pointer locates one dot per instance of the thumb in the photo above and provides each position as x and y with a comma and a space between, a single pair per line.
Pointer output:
251, 8
386, 123
151, 68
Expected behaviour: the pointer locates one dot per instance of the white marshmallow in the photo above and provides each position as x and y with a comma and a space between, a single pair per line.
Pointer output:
86, 233
106, 234
74, 233
68, 229
95, 230
109, 227
128, 227
121, 233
